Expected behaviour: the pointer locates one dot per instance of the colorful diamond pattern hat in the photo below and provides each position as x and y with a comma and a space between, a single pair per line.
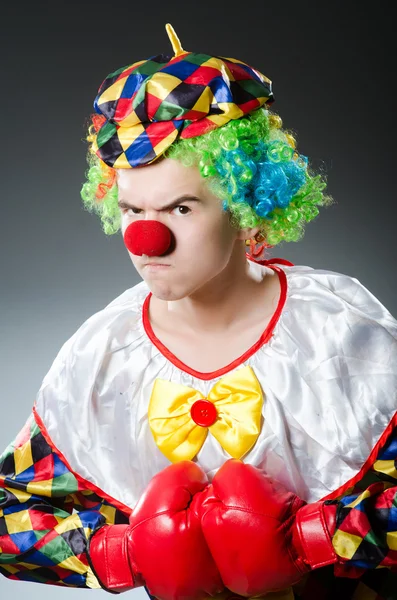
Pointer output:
145, 106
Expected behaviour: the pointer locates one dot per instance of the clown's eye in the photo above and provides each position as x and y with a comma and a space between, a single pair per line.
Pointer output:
182, 206
136, 211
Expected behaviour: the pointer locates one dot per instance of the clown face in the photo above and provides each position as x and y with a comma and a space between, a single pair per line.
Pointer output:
204, 249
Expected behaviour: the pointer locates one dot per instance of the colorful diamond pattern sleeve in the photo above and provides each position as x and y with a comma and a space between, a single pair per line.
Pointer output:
46, 515
366, 531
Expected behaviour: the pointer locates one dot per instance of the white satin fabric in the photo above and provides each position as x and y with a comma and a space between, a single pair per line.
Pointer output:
328, 374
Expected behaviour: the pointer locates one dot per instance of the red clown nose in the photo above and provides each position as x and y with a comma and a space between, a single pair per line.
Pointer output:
152, 238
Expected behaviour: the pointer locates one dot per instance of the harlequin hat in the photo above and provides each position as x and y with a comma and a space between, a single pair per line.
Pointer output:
144, 107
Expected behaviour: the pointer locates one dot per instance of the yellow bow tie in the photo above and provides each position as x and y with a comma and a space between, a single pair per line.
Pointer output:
180, 418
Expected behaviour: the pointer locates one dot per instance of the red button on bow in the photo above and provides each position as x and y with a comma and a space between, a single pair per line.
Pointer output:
203, 413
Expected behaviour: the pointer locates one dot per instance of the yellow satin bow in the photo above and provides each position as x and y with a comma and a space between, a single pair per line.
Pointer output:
238, 400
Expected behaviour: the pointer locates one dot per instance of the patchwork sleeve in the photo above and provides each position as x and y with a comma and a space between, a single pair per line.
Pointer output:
366, 525
46, 515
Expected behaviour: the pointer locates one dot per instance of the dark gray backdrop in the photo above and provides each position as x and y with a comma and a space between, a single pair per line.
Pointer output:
332, 69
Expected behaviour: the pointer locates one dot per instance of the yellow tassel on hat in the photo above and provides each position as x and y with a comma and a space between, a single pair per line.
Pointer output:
174, 39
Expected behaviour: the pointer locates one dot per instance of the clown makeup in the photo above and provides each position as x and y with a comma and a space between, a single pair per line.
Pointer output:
206, 280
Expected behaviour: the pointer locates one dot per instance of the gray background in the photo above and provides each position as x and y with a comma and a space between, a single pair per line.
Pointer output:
332, 71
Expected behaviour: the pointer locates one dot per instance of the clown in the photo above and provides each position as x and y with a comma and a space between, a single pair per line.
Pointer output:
227, 427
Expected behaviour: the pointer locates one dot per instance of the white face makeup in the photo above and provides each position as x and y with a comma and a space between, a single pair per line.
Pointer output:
204, 241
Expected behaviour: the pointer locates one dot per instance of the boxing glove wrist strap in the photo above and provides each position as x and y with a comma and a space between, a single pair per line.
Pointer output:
107, 553
314, 526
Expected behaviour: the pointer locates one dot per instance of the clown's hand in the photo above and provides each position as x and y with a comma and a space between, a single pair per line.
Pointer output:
163, 547
262, 537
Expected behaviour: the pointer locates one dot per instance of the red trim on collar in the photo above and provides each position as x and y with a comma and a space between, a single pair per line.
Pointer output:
266, 335
270, 261
84, 482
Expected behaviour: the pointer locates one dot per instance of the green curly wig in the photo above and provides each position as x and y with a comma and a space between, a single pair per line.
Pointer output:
251, 164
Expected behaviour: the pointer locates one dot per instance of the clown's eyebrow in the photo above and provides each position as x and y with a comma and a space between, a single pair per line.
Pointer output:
186, 198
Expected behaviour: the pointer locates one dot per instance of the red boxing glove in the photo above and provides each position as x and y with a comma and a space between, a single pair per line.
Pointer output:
262, 537
163, 547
